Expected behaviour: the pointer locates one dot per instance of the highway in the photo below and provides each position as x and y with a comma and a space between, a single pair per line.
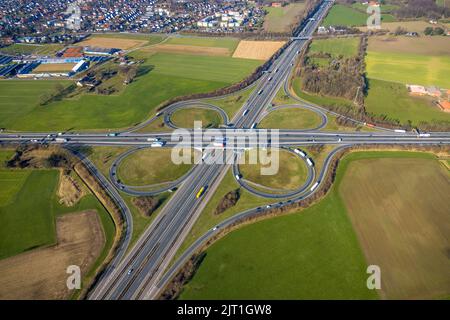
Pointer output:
136, 277
140, 273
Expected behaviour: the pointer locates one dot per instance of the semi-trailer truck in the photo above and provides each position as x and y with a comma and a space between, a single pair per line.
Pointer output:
300, 153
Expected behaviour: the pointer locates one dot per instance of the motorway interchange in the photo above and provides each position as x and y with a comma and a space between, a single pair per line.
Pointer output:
143, 271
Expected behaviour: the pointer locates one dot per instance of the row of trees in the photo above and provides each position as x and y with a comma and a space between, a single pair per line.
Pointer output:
422, 8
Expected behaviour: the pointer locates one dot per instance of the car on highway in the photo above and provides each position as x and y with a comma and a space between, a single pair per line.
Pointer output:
130, 271
215, 228
245, 112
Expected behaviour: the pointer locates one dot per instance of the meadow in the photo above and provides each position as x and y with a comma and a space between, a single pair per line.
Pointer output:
408, 68
26, 49
291, 118
393, 100
291, 174
150, 166
278, 258
347, 47
342, 15
185, 118
228, 43
165, 76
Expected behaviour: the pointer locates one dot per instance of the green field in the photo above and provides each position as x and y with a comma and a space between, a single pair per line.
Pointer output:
393, 100
342, 15
150, 166
347, 47
169, 76
228, 43
26, 49
20, 98
291, 118
428, 70
27, 210
151, 38
291, 174
184, 118
385, 8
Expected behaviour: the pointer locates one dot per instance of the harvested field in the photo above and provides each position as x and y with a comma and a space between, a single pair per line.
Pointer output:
109, 42
284, 18
187, 49
54, 67
411, 26
400, 210
258, 50
41, 273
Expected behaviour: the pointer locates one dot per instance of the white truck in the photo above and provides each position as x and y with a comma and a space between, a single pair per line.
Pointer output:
309, 162
314, 186
260, 91
300, 153
157, 144
253, 126
60, 140
153, 139
424, 135
400, 131
246, 112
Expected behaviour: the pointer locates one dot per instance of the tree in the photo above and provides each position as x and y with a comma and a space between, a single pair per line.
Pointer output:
428, 31
438, 31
